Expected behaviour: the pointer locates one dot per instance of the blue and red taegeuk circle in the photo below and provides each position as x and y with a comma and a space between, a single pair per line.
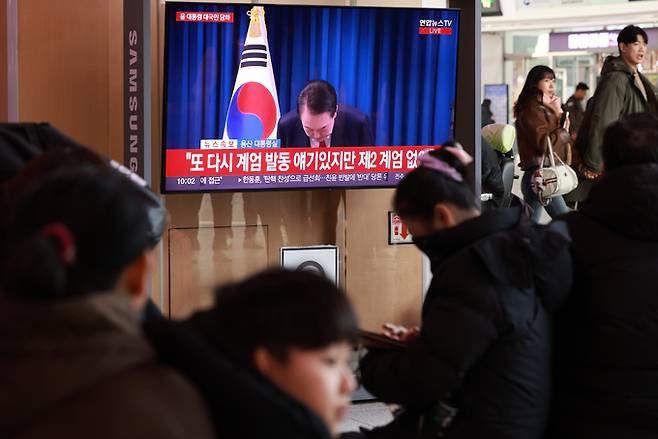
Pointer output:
251, 113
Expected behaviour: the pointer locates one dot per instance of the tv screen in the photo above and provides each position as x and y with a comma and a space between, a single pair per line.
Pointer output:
261, 97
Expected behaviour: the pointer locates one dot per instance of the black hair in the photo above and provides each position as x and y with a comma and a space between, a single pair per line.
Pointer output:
633, 140
61, 156
421, 189
486, 103
21, 142
582, 86
106, 215
530, 90
318, 97
628, 35
279, 310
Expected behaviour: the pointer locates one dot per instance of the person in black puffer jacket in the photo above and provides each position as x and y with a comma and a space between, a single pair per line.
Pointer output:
607, 362
480, 365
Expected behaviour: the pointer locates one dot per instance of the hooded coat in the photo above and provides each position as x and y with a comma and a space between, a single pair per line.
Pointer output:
615, 97
485, 340
607, 361
80, 368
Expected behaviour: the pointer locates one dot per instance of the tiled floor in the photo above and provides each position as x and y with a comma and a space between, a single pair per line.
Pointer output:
366, 414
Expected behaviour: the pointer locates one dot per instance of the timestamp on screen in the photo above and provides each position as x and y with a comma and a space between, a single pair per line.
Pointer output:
186, 180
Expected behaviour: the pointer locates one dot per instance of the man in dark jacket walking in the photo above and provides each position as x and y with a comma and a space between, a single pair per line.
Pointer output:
574, 106
623, 90
607, 363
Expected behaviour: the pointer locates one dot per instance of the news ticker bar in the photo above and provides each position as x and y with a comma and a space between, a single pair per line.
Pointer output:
287, 181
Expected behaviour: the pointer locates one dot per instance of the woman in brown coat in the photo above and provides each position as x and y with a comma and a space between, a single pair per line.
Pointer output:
538, 111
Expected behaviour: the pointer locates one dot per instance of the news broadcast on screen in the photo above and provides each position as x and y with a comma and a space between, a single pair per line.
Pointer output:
262, 97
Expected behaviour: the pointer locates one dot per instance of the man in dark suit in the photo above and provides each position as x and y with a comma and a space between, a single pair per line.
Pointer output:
320, 123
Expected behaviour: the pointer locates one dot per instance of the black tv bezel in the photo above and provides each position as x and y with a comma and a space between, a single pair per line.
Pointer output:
163, 149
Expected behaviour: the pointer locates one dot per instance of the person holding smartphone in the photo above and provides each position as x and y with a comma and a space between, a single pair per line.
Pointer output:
479, 365
538, 113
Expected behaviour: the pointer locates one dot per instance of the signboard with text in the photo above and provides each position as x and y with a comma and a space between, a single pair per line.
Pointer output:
603, 40
398, 232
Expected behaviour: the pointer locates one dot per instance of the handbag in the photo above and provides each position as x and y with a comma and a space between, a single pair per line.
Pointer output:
554, 180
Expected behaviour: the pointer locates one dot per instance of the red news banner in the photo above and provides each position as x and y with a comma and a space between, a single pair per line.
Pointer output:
205, 17
266, 161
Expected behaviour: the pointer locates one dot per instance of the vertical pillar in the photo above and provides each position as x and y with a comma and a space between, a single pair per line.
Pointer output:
137, 86
4, 104
467, 110
9, 64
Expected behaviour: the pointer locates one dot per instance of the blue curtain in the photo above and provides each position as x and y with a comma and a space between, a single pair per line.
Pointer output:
374, 57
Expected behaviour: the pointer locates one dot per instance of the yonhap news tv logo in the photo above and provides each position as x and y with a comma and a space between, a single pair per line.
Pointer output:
434, 27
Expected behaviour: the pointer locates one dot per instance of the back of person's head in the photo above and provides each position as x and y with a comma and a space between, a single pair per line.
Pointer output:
55, 158
21, 142
72, 231
280, 310
317, 97
530, 90
633, 140
628, 35
439, 178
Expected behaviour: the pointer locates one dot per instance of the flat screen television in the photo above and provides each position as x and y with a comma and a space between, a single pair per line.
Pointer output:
262, 97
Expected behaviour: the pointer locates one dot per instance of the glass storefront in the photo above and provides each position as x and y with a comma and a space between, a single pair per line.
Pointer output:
526, 49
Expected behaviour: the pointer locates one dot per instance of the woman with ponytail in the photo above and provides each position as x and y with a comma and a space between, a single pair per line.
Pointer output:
479, 365
75, 258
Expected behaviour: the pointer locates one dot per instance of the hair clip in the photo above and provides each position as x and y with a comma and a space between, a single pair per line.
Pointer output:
65, 240
459, 152
430, 162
